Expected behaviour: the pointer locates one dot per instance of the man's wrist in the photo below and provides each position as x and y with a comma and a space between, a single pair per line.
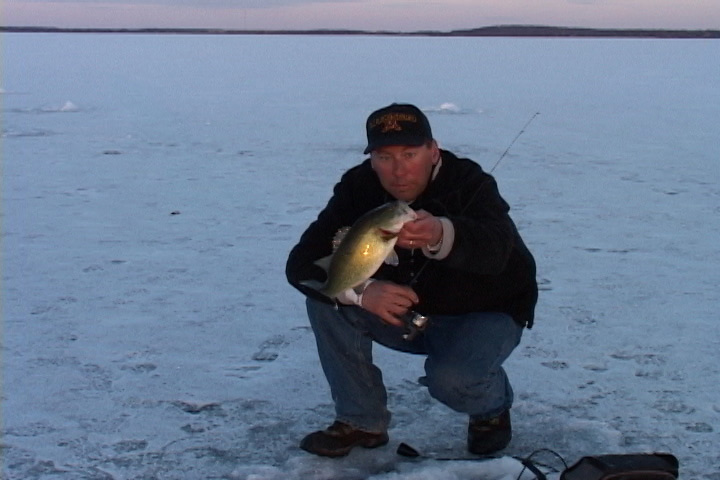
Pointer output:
436, 248
442, 248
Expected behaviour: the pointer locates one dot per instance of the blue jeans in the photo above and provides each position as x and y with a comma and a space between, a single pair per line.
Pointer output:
463, 367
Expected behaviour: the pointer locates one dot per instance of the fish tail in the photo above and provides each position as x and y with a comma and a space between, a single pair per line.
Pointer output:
314, 284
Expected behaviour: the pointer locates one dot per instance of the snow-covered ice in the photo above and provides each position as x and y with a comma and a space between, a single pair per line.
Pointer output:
152, 187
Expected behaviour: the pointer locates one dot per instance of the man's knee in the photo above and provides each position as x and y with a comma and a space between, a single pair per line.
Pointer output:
324, 316
465, 390
444, 382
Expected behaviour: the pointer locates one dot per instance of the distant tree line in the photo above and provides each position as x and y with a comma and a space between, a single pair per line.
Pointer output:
493, 31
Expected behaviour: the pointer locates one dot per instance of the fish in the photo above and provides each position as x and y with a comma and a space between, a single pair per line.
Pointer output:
361, 251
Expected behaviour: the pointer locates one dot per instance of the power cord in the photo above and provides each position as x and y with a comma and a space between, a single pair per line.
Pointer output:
529, 464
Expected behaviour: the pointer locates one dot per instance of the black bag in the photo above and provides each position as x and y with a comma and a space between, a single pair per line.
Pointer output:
639, 466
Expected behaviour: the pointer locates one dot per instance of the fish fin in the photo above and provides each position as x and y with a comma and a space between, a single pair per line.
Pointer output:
339, 237
392, 258
318, 287
314, 284
324, 262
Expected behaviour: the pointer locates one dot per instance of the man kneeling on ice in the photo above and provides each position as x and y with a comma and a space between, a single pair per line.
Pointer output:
454, 256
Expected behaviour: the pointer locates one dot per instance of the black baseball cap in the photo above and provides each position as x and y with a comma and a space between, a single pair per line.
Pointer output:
397, 124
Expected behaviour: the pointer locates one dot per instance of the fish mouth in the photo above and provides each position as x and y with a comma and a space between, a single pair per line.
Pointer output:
387, 234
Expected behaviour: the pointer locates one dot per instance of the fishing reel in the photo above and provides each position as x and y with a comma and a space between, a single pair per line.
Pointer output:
415, 323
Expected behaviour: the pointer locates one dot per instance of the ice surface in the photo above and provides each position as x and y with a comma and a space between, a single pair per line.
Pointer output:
153, 186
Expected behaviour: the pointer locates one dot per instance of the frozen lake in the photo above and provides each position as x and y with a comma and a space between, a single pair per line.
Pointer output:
152, 187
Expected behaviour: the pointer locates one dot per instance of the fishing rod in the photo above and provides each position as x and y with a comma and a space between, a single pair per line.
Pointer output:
528, 463
522, 130
417, 322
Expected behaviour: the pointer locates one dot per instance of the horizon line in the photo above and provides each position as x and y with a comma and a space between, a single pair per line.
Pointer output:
511, 30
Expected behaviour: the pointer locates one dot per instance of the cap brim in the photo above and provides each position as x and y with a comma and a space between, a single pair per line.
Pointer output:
413, 141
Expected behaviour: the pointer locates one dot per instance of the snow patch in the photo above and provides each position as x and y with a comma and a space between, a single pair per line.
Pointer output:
138, 343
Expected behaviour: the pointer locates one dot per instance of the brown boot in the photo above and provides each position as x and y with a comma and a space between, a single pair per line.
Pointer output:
339, 438
490, 435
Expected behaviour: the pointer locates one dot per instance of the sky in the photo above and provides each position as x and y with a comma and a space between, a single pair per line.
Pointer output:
402, 15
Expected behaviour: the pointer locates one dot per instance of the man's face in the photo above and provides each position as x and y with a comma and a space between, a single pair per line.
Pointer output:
404, 171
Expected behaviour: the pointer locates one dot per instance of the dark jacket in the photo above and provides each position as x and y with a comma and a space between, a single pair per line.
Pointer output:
488, 269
